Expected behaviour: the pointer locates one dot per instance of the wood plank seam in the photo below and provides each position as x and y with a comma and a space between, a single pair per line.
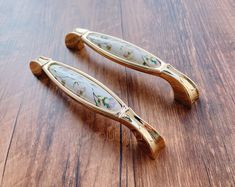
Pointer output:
12, 134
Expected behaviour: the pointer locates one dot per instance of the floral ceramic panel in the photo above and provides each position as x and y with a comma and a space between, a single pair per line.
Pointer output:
123, 50
84, 88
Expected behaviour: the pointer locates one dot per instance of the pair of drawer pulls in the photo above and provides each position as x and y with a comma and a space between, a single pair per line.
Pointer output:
94, 95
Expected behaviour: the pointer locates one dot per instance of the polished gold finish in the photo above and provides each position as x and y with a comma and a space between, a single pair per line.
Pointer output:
147, 137
185, 90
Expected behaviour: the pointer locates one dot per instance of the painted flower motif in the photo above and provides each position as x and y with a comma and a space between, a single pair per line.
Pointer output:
84, 88
101, 41
110, 102
127, 52
150, 60
105, 102
108, 46
79, 88
123, 50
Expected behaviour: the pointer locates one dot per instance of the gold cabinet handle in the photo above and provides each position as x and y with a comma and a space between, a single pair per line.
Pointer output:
94, 95
127, 54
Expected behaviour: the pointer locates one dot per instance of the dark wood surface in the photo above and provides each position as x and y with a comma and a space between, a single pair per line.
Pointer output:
47, 139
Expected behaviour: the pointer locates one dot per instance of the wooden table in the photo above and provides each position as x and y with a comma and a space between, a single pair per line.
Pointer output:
47, 139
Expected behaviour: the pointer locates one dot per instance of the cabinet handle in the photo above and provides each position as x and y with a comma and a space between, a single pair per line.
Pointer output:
127, 54
94, 95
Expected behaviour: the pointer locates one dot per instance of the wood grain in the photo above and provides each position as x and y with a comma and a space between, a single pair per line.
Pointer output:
47, 139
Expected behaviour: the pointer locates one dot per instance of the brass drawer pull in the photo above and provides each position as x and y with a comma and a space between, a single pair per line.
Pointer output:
127, 54
94, 95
